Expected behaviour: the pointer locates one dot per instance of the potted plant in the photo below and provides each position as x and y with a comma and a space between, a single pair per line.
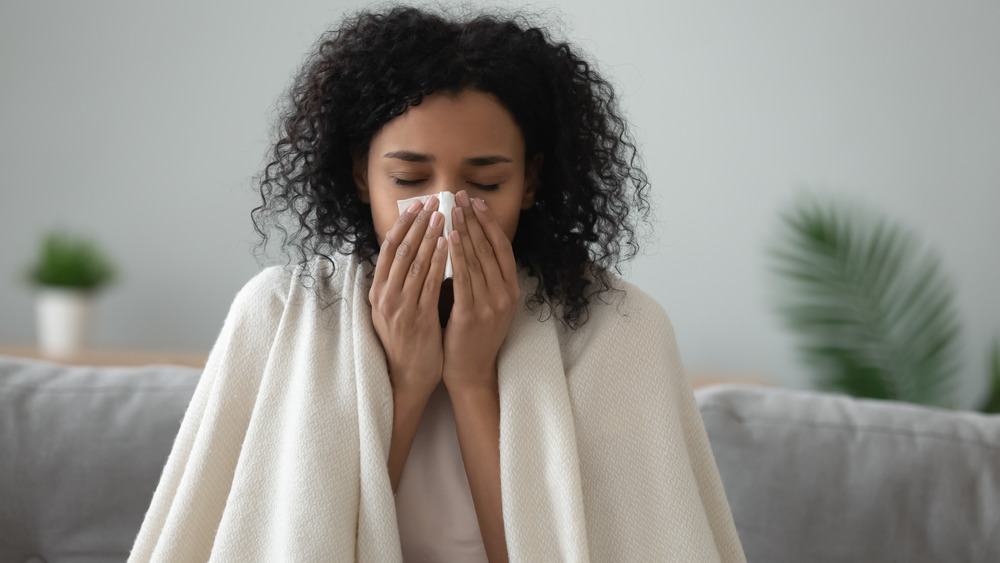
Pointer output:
68, 274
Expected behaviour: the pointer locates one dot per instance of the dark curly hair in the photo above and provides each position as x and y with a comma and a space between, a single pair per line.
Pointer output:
592, 192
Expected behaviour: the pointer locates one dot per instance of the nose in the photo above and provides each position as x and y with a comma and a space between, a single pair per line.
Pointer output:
452, 186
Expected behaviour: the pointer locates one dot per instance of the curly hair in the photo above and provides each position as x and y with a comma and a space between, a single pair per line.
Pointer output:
592, 192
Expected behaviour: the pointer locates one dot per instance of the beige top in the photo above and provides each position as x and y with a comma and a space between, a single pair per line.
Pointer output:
434, 509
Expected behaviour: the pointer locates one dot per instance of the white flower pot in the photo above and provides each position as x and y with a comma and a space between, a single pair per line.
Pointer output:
64, 318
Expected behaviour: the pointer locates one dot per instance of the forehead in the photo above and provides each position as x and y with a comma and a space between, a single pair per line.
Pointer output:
468, 123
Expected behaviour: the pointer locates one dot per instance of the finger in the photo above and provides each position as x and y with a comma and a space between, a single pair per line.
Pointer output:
421, 264
473, 266
479, 242
498, 240
431, 292
387, 252
461, 283
407, 250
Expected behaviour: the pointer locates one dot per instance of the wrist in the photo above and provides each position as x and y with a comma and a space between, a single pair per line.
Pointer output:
469, 372
411, 380
413, 392
474, 402
473, 386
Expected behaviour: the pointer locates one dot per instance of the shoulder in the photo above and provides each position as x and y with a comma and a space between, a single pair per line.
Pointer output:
253, 319
272, 281
622, 306
268, 289
319, 280
622, 321
627, 309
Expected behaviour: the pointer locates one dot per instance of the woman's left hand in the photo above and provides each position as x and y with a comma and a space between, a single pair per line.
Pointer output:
486, 296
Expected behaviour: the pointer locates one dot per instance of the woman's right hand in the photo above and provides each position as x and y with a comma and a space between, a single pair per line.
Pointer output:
404, 298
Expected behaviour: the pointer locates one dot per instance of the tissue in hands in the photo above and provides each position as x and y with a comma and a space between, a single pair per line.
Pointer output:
447, 200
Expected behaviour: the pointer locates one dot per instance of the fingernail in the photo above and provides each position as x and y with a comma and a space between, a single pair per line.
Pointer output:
459, 216
435, 219
453, 236
430, 203
441, 242
414, 206
463, 198
480, 204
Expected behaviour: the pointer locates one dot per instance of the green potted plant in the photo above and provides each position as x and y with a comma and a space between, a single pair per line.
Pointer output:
68, 273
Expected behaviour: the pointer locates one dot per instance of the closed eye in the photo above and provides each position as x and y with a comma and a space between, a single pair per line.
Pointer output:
485, 187
402, 182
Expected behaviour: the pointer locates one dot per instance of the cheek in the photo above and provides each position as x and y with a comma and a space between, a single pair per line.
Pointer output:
509, 226
507, 217
506, 212
385, 213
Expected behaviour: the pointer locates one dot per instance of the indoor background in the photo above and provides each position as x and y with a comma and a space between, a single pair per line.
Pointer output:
143, 125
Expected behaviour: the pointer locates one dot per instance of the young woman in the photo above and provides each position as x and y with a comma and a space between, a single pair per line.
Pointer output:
359, 406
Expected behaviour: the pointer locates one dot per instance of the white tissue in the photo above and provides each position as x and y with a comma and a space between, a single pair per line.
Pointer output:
447, 200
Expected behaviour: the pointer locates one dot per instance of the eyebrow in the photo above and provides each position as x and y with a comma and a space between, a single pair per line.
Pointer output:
410, 156
473, 161
486, 160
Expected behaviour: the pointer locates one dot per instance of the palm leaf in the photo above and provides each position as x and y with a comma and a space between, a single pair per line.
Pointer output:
872, 311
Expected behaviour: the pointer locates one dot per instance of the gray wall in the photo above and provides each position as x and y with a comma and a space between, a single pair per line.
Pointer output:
144, 125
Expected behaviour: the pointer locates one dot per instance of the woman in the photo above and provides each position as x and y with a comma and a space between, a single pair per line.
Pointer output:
358, 406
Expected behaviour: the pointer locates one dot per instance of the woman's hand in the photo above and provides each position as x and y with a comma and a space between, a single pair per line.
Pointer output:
486, 296
404, 298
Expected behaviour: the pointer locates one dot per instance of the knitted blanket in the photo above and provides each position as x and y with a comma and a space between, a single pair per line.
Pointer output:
282, 452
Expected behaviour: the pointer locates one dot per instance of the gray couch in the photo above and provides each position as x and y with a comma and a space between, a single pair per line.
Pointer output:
810, 477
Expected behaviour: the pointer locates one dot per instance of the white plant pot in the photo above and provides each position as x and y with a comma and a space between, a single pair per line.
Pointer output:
64, 318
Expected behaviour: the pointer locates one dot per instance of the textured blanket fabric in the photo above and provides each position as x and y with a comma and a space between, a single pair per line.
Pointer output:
281, 455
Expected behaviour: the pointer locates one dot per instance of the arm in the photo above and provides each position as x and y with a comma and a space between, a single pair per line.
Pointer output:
477, 419
486, 297
407, 409
405, 316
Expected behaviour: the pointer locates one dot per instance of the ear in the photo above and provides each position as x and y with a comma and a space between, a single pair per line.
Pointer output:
360, 170
531, 172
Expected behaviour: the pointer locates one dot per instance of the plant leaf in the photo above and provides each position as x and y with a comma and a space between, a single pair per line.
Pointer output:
66, 261
874, 316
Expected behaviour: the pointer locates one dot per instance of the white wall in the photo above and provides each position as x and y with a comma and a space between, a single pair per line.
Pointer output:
143, 125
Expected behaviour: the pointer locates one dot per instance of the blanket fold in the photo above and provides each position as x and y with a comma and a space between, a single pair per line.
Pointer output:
281, 455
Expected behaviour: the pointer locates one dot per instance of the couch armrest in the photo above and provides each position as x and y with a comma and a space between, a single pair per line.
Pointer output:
820, 477
82, 452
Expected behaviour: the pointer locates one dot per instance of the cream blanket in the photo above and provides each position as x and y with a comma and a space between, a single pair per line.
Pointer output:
281, 455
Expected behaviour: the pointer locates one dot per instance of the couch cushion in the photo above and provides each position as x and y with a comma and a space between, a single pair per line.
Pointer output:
820, 477
81, 452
